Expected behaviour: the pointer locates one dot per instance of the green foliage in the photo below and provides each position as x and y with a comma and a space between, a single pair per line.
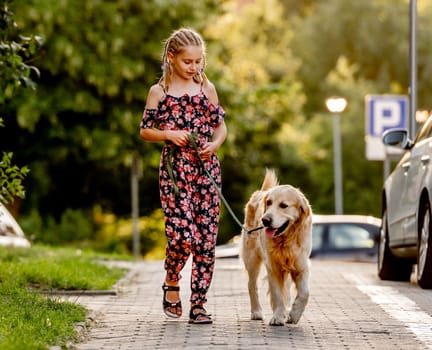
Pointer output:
74, 225
104, 232
116, 235
256, 71
370, 34
273, 62
48, 268
98, 60
152, 235
364, 51
14, 73
31, 321
11, 177
14, 69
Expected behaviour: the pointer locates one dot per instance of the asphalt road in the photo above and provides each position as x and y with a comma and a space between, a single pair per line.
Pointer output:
349, 308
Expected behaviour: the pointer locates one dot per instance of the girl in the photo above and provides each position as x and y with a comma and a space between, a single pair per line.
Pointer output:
184, 104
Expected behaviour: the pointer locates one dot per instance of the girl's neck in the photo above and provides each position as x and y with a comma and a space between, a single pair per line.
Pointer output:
179, 87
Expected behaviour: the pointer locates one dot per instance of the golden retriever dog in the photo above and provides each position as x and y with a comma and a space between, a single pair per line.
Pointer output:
283, 244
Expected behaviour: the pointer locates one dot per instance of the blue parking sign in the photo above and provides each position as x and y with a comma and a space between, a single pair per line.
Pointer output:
385, 112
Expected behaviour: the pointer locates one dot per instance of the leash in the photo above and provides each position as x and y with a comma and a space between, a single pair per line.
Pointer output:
192, 140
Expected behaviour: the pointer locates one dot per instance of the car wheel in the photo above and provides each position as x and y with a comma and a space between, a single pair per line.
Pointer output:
424, 261
389, 266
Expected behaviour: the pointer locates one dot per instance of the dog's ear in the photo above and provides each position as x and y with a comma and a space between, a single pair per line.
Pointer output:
304, 205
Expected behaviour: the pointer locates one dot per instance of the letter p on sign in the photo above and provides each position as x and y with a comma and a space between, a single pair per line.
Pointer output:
386, 112
383, 112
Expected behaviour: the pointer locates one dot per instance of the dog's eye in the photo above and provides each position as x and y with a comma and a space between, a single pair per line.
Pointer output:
283, 205
269, 202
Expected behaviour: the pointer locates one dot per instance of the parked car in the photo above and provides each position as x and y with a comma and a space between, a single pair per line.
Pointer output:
406, 237
348, 237
11, 233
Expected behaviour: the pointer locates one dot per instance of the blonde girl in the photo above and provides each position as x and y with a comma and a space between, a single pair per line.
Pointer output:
182, 103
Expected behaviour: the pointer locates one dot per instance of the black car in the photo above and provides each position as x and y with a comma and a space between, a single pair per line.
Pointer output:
348, 237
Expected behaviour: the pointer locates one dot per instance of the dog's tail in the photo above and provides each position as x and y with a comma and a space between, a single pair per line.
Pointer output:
270, 180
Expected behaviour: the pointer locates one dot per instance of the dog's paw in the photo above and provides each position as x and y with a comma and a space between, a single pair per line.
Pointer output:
291, 319
275, 321
256, 315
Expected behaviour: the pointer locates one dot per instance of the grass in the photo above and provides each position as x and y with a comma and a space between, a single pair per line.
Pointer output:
30, 320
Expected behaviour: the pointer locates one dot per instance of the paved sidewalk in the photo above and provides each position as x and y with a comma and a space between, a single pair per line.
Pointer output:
338, 316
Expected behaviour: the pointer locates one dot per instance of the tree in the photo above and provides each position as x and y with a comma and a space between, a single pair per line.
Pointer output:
79, 130
273, 62
354, 49
14, 73
259, 89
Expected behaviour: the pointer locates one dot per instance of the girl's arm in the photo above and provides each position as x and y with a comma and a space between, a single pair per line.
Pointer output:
220, 134
178, 137
219, 137
153, 98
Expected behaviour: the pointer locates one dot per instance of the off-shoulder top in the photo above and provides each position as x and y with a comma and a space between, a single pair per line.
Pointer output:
192, 113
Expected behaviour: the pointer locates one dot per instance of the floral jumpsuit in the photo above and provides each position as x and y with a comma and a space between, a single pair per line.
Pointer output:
191, 216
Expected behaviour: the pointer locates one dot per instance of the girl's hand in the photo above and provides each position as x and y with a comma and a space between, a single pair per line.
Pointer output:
177, 137
208, 149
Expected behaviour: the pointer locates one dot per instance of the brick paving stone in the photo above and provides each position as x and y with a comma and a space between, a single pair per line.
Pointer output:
338, 316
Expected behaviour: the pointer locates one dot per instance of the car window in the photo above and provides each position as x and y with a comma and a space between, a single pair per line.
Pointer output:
345, 236
317, 236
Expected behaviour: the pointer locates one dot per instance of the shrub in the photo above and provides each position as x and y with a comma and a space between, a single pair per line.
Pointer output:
74, 225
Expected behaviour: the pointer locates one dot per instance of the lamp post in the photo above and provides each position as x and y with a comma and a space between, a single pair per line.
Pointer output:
136, 174
337, 105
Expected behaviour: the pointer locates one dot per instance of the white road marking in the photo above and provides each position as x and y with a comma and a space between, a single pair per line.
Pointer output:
402, 309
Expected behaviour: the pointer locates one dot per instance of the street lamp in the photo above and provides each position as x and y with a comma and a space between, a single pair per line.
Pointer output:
337, 105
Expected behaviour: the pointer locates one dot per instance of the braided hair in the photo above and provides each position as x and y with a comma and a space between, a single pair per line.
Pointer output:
178, 40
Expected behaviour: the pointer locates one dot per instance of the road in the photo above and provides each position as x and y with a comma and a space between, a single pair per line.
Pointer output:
364, 309
349, 308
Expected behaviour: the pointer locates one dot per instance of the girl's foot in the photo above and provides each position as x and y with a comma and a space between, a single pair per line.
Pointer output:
171, 308
198, 315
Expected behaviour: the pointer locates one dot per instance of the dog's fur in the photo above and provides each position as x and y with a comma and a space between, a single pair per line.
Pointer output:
284, 245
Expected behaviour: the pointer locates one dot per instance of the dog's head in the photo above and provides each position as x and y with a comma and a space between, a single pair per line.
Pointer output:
284, 207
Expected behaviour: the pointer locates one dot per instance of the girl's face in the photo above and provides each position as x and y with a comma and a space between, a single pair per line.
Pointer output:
187, 63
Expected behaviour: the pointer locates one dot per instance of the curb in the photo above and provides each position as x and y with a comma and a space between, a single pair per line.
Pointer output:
82, 329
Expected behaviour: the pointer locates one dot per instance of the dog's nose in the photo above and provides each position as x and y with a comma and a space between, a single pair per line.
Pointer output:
266, 220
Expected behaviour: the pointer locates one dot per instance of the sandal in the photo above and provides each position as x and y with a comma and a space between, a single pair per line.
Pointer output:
167, 305
198, 315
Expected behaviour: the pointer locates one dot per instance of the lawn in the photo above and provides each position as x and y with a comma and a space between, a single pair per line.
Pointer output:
28, 318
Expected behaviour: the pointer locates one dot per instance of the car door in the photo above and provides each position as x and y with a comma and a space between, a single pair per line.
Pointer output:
402, 191
417, 168
396, 207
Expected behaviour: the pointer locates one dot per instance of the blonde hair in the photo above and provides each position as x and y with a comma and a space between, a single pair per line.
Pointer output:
175, 44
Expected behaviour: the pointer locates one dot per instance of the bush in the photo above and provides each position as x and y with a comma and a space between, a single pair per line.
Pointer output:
74, 225
116, 235
102, 231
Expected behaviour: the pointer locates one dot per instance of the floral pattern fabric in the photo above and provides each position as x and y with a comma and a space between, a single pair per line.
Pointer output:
192, 216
